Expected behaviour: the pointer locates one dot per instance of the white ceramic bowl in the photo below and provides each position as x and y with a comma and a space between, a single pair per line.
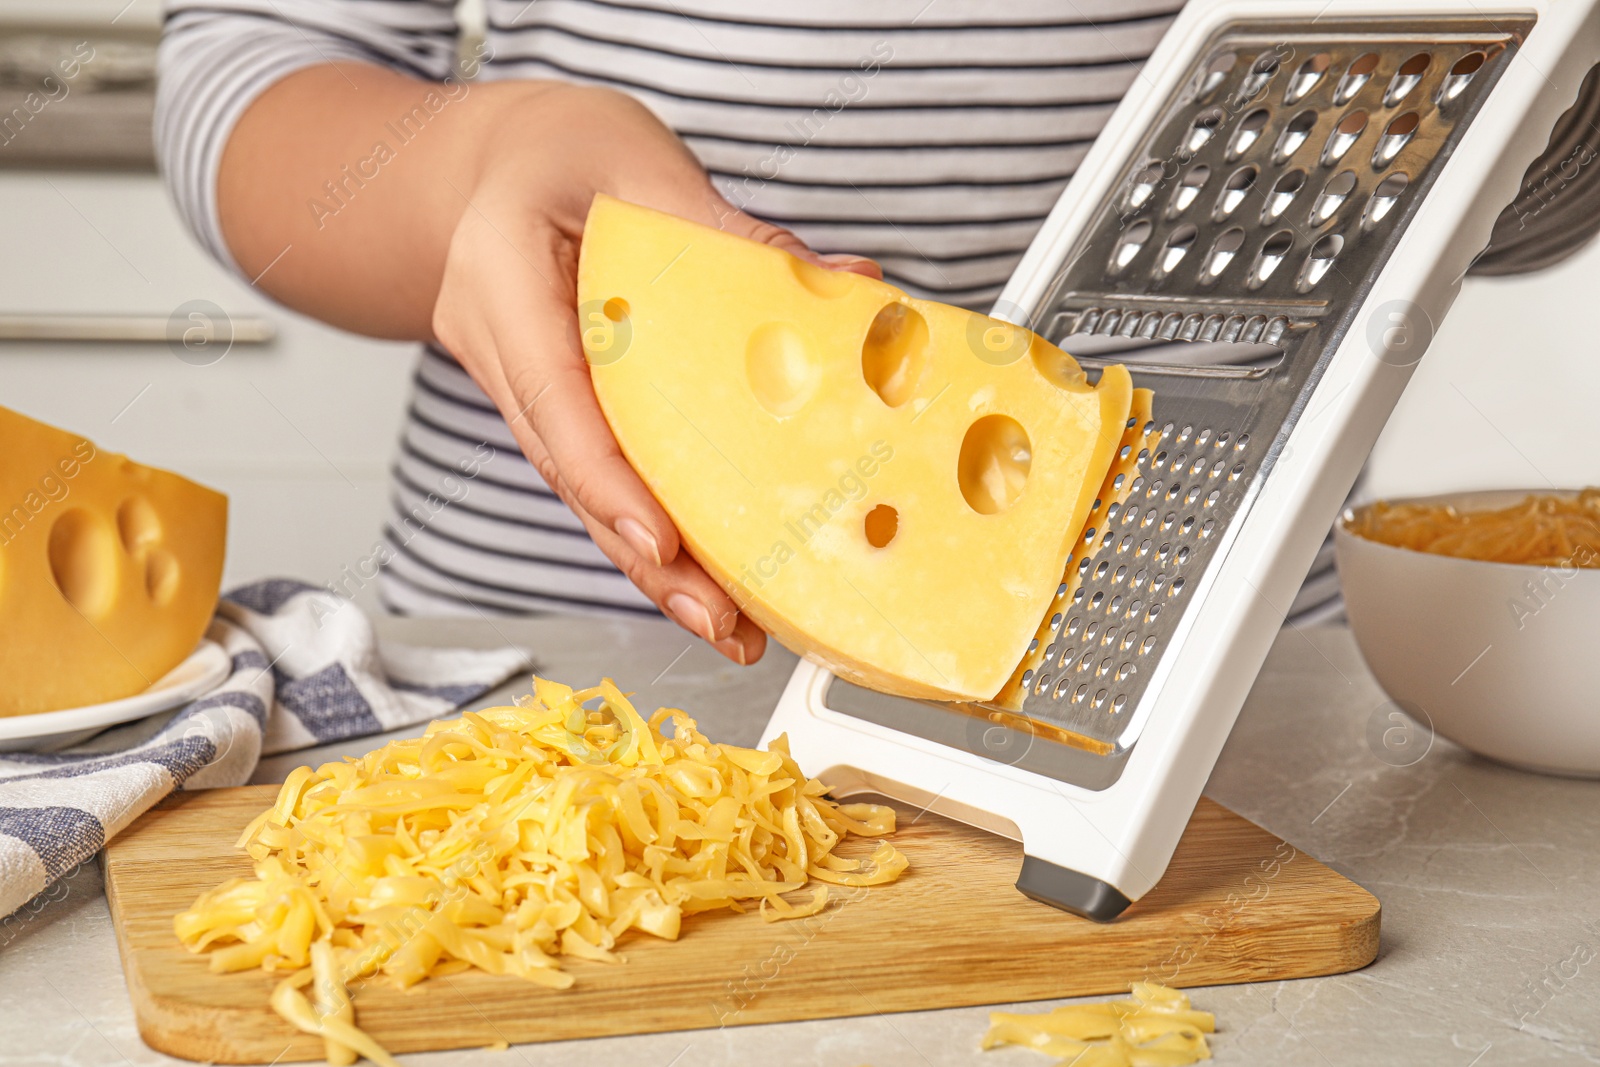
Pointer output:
1502, 658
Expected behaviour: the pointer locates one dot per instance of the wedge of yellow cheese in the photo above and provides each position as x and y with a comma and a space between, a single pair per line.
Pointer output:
109, 570
888, 486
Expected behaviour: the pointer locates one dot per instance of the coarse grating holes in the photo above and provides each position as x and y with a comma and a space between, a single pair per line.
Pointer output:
1406, 78
1319, 261
1383, 199
1461, 74
1261, 72
1355, 77
1203, 128
1343, 137
1284, 190
1333, 196
1127, 250
1273, 252
1223, 251
1177, 246
1234, 190
1188, 189
1248, 133
1143, 186
1306, 77
1294, 135
1215, 74
1283, 182
1395, 137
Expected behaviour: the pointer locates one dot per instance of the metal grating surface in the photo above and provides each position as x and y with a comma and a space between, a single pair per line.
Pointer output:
1260, 208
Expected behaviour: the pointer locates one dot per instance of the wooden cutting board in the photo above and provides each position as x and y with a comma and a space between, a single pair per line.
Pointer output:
1236, 905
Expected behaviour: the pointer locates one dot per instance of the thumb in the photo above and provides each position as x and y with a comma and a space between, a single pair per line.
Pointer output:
730, 219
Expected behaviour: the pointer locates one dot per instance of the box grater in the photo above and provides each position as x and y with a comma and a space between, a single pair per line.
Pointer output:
1314, 177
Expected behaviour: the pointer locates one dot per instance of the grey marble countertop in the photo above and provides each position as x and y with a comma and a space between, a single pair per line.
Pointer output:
1489, 880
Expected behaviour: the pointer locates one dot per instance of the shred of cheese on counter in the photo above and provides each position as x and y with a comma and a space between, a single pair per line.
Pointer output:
513, 836
1157, 1028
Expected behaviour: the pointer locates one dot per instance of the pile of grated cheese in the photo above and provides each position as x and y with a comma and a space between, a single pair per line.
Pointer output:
1157, 1028
510, 837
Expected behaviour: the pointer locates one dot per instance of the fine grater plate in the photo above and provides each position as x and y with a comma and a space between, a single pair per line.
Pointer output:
1259, 208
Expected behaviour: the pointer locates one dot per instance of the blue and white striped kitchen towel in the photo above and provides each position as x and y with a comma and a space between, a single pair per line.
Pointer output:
307, 670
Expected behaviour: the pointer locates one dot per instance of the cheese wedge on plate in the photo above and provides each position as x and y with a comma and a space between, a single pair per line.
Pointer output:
888, 486
109, 570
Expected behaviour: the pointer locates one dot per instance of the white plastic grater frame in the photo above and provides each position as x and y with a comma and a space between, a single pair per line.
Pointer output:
1123, 836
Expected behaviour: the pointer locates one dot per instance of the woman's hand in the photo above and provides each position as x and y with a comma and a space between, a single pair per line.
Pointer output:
507, 311
479, 218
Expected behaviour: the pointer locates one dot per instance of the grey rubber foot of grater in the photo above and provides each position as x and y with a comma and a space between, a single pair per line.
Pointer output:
1070, 890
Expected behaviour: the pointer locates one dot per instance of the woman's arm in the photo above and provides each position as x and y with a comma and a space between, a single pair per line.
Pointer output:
409, 209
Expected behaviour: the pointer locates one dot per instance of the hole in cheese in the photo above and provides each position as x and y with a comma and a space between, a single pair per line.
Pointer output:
1058, 368
781, 368
993, 465
883, 522
83, 561
137, 524
895, 353
821, 282
615, 309
160, 576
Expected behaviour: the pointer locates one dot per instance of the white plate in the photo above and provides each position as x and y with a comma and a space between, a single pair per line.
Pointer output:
49, 731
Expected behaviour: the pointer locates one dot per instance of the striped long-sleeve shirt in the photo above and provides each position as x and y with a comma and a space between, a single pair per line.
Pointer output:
931, 135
